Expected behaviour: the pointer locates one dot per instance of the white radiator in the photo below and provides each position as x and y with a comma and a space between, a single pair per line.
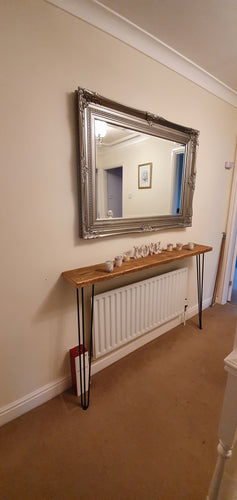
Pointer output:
124, 314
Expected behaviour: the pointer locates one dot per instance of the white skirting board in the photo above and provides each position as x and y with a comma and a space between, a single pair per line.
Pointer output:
53, 389
34, 399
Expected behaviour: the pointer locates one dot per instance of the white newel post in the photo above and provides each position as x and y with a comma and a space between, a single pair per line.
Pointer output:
227, 426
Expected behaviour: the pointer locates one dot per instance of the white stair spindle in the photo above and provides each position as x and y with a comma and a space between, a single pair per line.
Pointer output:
227, 426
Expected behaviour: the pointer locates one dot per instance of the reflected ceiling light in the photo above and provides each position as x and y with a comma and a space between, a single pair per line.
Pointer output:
100, 130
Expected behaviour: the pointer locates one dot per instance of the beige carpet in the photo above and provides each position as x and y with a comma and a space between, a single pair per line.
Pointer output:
150, 432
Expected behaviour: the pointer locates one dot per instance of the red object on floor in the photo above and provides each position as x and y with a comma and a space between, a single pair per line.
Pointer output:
74, 353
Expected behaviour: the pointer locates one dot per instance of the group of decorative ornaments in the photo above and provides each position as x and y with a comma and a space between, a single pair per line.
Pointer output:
143, 251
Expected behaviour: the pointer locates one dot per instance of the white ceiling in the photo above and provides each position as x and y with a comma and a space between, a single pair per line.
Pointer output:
195, 38
204, 31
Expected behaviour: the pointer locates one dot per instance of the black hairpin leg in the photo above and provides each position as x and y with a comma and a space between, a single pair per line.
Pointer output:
200, 272
85, 395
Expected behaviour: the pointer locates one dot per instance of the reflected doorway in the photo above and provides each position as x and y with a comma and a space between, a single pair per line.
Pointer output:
115, 191
179, 162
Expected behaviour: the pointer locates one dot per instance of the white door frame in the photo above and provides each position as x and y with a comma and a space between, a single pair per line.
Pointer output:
232, 272
230, 241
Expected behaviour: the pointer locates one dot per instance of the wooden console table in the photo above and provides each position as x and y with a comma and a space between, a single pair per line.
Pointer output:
91, 275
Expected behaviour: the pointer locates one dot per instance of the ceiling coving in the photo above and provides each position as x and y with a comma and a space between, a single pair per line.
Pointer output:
196, 39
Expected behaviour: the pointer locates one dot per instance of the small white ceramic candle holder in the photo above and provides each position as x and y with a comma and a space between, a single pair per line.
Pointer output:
126, 256
118, 260
190, 245
170, 247
109, 266
179, 246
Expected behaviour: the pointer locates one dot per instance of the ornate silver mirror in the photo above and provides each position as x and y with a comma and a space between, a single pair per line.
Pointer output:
136, 170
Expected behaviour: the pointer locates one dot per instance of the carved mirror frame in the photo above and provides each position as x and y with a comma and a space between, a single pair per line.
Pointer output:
92, 106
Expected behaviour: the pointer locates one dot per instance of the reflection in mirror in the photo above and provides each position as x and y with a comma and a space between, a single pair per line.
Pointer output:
137, 170
119, 154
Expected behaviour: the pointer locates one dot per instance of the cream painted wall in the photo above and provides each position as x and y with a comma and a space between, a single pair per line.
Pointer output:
143, 202
45, 55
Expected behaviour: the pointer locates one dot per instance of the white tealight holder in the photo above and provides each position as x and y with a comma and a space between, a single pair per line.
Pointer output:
126, 256
118, 260
109, 266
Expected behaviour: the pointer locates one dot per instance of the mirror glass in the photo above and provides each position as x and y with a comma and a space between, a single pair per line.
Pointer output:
136, 170
137, 174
